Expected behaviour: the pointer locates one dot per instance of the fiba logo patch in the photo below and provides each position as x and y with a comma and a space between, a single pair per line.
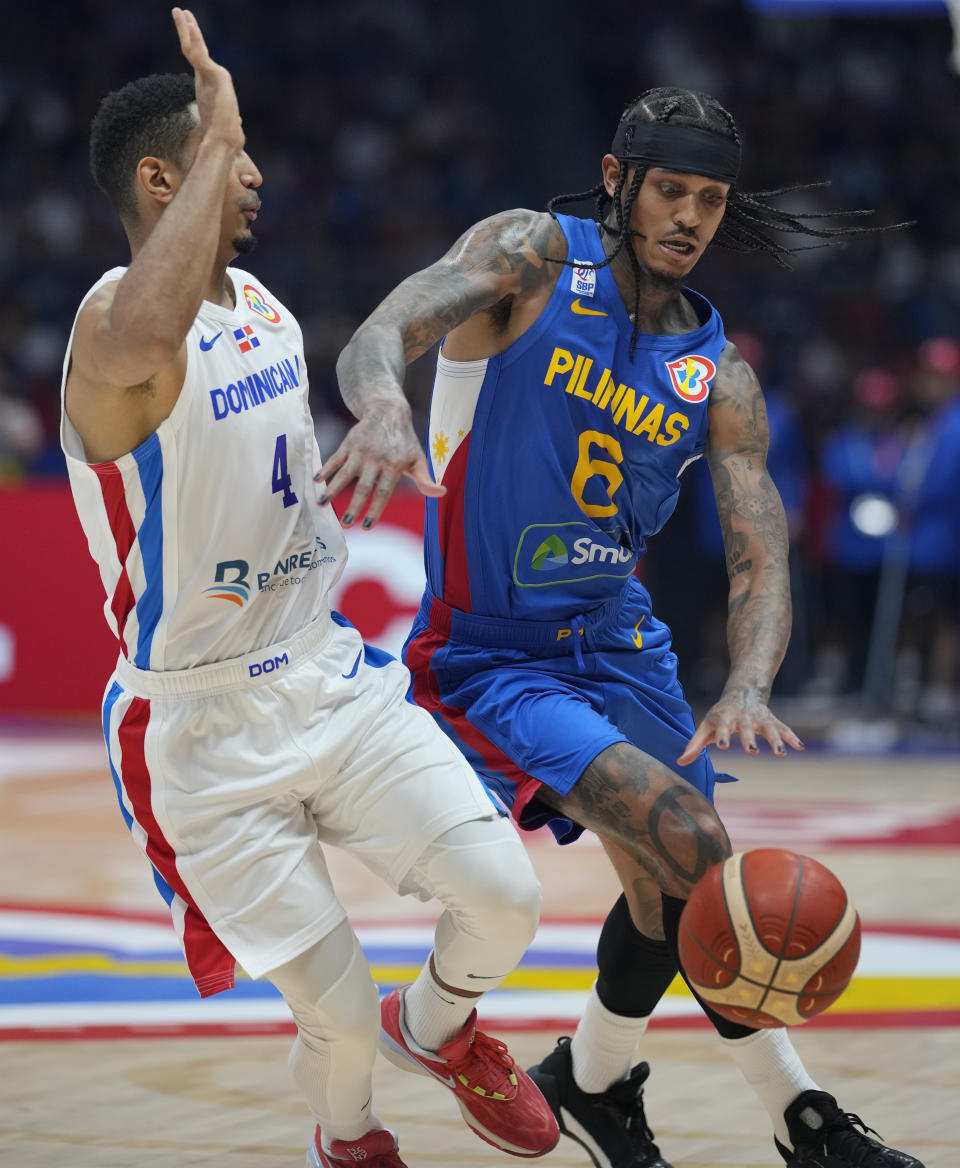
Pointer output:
690, 377
255, 300
550, 555
232, 583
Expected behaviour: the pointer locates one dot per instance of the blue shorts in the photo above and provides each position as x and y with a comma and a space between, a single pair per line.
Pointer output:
535, 702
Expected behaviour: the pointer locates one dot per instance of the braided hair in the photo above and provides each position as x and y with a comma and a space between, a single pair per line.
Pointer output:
749, 223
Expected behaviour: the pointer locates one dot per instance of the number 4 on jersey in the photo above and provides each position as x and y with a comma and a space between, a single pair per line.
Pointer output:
281, 476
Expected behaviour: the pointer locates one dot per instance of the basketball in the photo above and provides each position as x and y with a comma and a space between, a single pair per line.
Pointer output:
769, 938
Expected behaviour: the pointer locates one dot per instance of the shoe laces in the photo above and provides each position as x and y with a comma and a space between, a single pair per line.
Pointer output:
842, 1139
486, 1068
629, 1115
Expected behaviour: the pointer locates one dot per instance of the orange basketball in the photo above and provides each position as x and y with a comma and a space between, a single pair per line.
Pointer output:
769, 938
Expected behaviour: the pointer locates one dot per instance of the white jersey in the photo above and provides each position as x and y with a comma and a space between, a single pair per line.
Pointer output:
208, 537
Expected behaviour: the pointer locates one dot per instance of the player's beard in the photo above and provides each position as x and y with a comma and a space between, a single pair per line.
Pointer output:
650, 277
658, 281
244, 244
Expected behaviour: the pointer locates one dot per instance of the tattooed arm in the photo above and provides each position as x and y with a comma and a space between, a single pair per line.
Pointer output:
755, 538
498, 261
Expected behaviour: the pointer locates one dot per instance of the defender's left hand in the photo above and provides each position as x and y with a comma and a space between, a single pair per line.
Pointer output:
374, 453
744, 715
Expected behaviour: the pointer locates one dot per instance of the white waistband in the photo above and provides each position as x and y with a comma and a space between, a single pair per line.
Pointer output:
252, 669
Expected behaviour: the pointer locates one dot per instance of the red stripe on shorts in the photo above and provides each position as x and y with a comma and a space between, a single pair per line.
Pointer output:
211, 965
426, 693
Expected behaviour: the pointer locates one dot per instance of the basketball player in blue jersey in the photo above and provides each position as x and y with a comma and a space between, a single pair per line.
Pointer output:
245, 723
576, 380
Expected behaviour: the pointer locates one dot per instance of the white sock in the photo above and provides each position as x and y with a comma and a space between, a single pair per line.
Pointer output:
603, 1045
432, 1014
773, 1069
374, 1124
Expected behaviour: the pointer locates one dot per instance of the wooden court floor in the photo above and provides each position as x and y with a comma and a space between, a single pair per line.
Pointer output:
887, 827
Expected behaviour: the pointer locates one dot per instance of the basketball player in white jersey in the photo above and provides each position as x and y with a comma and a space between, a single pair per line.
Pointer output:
246, 724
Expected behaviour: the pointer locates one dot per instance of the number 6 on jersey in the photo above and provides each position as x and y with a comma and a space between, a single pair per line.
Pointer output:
281, 476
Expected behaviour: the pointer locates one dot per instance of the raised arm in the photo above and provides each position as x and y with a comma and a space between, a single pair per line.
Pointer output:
497, 259
131, 332
755, 539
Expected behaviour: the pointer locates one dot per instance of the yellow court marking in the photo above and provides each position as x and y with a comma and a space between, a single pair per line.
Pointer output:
867, 993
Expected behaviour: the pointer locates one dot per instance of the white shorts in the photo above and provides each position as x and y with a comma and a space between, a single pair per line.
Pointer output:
230, 775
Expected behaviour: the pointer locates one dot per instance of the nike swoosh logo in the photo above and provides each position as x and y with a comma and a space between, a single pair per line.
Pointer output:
447, 1080
205, 344
578, 308
486, 976
353, 671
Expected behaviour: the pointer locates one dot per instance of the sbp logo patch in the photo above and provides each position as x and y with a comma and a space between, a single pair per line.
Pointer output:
691, 377
583, 280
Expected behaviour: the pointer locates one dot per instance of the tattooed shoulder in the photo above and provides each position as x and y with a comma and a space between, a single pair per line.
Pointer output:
530, 240
738, 413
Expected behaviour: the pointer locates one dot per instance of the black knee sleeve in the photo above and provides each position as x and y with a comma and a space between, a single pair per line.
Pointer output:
634, 970
672, 908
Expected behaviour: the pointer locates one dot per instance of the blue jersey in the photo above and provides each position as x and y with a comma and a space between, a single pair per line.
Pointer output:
562, 454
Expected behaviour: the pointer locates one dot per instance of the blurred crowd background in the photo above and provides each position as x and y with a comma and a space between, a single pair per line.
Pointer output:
384, 128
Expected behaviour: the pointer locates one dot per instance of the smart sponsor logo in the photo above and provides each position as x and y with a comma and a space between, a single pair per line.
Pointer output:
561, 553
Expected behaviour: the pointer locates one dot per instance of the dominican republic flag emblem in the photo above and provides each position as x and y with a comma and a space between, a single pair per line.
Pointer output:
246, 338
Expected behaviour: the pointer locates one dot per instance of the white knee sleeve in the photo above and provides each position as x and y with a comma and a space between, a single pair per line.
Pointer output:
335, 1004
481, 873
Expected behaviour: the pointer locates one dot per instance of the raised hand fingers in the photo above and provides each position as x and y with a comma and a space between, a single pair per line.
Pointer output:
192, 44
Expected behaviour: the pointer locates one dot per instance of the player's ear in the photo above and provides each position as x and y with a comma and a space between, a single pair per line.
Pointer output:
610, 168
158, 180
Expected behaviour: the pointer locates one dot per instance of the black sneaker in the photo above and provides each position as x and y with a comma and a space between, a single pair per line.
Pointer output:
610, 1125
825, 1137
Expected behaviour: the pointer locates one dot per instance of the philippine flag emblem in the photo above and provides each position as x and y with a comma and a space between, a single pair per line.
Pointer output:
246, 338
256, 300
691, 377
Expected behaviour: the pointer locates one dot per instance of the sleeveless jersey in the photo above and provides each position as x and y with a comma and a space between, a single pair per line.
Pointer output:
562, 454
208, 537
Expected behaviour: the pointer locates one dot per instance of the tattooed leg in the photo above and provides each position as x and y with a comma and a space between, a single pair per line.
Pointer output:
639, 887
663, 823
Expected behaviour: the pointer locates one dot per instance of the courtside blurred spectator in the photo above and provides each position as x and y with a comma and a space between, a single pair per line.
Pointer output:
894, 474
859, 464
21, 434
932, 479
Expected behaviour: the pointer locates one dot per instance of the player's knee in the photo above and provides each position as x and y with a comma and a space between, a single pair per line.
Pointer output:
503, 901
330, 991
711, 844
481, 872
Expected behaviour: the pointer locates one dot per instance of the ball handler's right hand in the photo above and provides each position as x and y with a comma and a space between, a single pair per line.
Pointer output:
216, 99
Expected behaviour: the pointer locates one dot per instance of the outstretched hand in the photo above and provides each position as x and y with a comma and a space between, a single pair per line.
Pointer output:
216, 98
743, 714
374, 454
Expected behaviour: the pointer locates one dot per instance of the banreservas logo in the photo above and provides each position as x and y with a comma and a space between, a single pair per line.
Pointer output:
232, 576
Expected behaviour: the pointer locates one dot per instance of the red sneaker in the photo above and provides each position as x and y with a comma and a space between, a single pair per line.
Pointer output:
376, 1149
500, 1103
